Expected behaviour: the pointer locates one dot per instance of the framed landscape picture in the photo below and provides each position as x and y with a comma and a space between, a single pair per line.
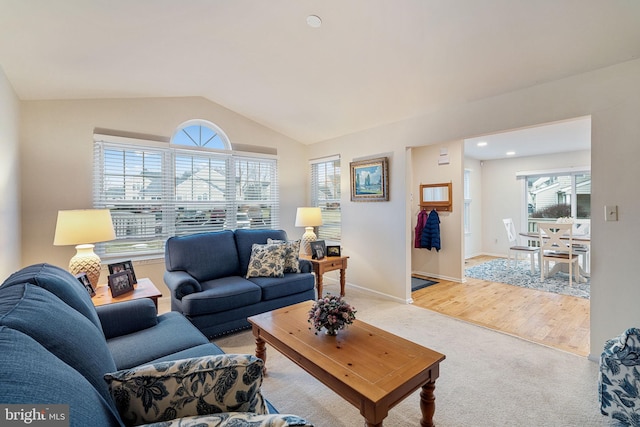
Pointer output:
370, 180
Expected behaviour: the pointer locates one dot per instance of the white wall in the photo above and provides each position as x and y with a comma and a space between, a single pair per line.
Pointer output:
56, 167
9, 179
610, 95
502, 193
446, 263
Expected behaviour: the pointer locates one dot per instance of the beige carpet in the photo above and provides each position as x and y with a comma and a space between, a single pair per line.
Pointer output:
487, 379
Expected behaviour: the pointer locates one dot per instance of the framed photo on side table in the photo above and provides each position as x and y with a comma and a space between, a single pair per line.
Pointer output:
82, 278
122, 266
120, 283
318, 249
333, 250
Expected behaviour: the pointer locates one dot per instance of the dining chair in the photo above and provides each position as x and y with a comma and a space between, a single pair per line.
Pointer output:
556, 245
515, 248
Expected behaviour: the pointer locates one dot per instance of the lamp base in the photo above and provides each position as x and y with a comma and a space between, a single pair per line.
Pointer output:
308, 237
86, 261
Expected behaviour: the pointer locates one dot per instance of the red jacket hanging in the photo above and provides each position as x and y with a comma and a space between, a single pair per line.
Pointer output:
422, 221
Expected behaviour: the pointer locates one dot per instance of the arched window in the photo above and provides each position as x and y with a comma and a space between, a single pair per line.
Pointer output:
195, 184
201, 133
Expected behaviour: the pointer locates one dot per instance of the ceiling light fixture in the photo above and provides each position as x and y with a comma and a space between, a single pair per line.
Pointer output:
482, 144
314, 21
511, 153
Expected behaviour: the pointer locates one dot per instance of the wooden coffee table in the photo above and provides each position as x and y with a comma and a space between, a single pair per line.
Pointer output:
370, 368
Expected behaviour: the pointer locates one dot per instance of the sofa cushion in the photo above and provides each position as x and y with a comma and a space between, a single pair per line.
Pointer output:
246, 238
172, 334
266, 260
291, 283
59, 282
64, 332
221, 295
187, 387
32, 375
291, 255
205, 256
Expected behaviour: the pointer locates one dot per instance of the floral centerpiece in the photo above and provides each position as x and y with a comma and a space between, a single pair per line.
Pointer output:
332, 313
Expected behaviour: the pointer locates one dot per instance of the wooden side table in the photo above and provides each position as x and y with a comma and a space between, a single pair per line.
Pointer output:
143, 289
330, 263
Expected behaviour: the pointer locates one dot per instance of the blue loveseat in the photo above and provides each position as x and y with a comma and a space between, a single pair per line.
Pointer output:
56, 348
207, 276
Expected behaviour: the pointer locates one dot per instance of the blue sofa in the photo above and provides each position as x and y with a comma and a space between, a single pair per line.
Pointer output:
56, 348
207, 276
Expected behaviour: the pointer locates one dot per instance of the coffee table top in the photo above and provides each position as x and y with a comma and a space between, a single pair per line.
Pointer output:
362, 361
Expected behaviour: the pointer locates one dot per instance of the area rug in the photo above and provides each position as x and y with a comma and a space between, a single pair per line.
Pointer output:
419, 283
499, 270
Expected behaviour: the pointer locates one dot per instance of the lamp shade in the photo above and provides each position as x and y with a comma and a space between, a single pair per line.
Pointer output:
83, 226
308, 217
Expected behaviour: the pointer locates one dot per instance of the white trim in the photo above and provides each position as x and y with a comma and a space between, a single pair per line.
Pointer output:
568, 171
325, 159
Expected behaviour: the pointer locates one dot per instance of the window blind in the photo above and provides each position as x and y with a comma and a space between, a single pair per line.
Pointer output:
325, 194
156, 191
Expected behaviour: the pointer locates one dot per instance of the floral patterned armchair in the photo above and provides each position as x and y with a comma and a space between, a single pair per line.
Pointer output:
619, 378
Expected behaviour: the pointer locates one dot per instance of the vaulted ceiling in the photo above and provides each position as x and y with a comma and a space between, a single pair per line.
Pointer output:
370, 62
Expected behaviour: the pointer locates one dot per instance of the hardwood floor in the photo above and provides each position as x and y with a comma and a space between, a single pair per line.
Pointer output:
554, 320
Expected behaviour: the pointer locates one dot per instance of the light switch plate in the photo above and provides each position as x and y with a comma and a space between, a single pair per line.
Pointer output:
610, 213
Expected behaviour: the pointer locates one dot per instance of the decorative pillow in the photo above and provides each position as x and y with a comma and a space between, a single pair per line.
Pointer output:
266, 261
181, 388
292, 251
238, 419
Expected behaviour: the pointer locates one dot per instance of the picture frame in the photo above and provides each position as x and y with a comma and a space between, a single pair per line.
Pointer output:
318, 249
370, 180
333, 250
120, 283
84, 280
122, 266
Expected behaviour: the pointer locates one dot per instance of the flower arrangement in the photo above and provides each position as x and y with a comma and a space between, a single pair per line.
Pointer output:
332, 313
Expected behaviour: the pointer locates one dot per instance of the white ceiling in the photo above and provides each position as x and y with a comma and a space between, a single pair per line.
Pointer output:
569, 135
371, 62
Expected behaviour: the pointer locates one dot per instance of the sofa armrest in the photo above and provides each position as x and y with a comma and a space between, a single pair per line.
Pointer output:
181, 283
127, 317
305, 266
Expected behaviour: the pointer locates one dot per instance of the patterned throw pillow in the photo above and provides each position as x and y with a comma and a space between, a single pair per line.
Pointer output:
199, 386
266, 261
292, 251
239, 419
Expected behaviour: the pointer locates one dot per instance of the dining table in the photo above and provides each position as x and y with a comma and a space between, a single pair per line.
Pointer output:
583, 239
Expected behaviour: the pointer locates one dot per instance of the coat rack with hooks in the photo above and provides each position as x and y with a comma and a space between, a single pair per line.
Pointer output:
436, 196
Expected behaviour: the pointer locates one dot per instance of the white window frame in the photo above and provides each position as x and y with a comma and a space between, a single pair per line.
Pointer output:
467, 201
325, 172
143, 222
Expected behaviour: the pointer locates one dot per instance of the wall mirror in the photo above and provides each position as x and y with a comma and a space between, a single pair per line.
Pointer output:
436, 196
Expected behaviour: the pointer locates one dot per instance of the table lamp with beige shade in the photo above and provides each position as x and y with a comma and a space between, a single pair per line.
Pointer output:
308, 218
83, 228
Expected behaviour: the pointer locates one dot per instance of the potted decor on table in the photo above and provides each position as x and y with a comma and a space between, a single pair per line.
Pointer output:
331, 313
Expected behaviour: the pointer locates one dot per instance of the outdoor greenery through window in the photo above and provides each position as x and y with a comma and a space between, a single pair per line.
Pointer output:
555, 195
195, 184
325, 193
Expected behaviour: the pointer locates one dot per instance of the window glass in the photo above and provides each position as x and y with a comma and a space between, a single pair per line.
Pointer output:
157, 190
561, 195
325, 193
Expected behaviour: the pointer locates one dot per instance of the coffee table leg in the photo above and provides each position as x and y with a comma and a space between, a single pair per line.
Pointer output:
261, 352
427, 404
